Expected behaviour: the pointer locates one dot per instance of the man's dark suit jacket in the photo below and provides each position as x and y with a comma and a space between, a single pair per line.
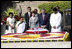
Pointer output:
46, 20
27, 19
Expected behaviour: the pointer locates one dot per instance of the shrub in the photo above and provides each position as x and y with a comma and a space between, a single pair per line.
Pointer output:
50, 5
10, 9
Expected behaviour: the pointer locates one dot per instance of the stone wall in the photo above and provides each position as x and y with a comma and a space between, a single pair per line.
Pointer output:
32, 4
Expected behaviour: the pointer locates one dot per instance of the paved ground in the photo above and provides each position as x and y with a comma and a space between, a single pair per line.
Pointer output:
3, 29
37, 45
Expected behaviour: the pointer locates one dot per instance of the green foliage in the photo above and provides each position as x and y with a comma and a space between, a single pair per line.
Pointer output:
50, 5
11, 9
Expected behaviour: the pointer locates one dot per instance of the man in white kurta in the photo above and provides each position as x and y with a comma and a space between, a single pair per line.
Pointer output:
20, 26
55, 21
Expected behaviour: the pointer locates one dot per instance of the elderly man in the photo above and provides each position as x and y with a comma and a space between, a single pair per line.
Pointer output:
43, 19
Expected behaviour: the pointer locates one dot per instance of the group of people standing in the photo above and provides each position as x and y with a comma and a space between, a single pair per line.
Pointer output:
34, 19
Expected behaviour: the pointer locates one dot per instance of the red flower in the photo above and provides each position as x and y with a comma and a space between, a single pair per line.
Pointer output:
3, 22
4, 18
33, 28
17, 18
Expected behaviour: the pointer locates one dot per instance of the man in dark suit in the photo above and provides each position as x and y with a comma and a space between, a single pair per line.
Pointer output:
27, 16
43, 19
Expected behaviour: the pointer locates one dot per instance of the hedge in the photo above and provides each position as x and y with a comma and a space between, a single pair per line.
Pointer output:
50, 5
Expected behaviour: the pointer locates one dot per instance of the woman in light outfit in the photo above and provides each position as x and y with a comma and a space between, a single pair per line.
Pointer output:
10, 24
33, 21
